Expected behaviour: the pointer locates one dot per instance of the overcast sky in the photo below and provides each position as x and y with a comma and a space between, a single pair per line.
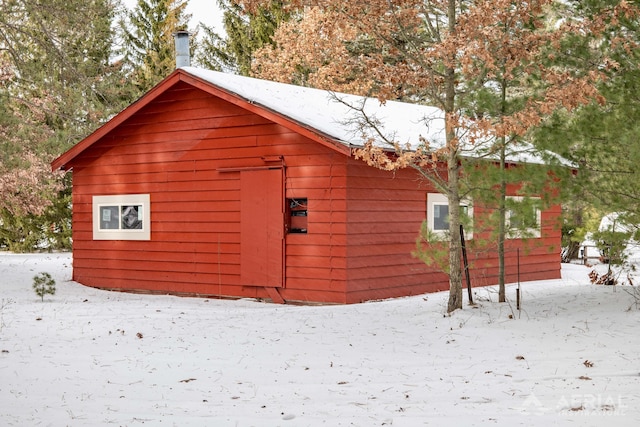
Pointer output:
205, 11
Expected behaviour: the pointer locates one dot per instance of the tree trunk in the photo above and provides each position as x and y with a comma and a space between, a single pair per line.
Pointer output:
455, 245
502, 220
571, 252
453, 170
502, 226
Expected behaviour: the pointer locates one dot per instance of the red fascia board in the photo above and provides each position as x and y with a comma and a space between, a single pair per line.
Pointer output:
62, 161
181, 75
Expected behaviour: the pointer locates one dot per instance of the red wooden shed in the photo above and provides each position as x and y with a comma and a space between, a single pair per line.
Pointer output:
225, 186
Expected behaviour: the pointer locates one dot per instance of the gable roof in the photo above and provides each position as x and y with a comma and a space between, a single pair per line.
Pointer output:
326, 117
337, 120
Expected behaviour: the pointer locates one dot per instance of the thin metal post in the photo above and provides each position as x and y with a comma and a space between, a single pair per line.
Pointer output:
466, 264
518, 288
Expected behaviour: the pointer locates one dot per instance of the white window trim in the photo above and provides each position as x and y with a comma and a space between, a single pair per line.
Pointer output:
514, 233
435, 199
126, 199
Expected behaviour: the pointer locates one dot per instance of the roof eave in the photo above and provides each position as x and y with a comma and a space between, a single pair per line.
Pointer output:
63, 161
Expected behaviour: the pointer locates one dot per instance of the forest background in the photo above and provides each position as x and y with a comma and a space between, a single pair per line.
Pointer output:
562, 76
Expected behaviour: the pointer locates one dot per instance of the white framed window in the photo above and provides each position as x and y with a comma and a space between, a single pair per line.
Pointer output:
438, 213
121, 217
523, 216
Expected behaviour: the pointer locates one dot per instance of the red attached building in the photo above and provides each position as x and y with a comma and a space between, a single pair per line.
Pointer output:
219, 185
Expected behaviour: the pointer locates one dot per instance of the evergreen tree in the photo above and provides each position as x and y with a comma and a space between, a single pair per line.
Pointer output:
246, 32
603, 138
44, 284
58, 84
149, 47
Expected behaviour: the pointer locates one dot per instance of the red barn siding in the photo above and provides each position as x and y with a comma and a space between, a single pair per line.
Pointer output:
188, 150
175, 150
385, 214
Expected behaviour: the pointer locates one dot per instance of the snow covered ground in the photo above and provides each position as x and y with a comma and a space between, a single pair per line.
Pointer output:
86, 357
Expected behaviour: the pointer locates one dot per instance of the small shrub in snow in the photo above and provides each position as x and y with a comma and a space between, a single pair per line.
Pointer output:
44, 284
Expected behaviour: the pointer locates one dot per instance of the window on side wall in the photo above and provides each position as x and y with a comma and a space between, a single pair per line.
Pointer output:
524, 217
122, 217
438, 213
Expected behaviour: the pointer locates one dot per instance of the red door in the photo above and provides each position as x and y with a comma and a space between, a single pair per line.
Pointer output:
262, 227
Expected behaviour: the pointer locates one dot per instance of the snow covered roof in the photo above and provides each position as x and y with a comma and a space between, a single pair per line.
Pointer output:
341, 120
617, 222
342, 116
335, 114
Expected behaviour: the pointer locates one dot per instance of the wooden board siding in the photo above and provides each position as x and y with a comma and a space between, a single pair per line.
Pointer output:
385, 212
534, 258
316, 261
177, 150
189, 149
